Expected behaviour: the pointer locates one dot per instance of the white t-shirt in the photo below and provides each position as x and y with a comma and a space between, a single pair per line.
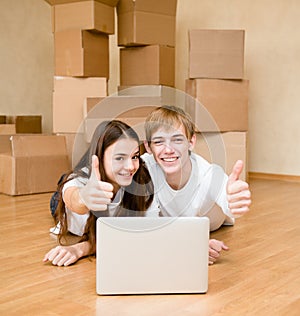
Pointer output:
203, 195
77, 222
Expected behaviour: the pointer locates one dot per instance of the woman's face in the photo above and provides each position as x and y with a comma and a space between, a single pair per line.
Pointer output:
121, 161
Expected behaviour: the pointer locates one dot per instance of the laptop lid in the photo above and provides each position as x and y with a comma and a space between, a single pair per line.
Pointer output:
152, 255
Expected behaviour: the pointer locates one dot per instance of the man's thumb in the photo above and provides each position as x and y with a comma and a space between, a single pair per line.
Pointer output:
95, 173
236, 171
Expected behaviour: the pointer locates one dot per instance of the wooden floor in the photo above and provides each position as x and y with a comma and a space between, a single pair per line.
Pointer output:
260, 275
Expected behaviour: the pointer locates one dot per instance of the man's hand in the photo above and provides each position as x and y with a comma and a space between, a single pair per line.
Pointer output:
215, 248
238, 193
96, 194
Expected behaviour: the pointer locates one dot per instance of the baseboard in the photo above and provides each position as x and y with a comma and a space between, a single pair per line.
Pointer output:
271, 176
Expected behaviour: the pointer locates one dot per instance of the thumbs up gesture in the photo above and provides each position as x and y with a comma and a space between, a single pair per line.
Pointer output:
238, 193
96, 194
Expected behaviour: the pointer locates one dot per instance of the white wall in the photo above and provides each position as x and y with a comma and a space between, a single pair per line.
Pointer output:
26, 63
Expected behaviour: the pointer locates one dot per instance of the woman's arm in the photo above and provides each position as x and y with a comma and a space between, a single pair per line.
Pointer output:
93, 195
73, 201
66, 255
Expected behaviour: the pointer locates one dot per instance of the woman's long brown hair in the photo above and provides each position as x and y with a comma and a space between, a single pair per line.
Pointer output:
138, 195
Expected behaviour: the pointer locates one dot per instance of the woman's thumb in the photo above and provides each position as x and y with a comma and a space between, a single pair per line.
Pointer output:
95, 173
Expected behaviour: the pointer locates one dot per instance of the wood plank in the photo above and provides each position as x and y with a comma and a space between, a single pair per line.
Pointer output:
260, 274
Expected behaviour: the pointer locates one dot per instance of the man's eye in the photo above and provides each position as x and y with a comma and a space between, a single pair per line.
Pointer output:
178, 140
119, 158
157, 142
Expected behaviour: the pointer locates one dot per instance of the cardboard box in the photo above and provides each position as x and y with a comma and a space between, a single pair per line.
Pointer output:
7, 129
131, 109
142, 28
2, 119
166, 7
142, 22
168, 95
85, 15
68, 98
131, 104
136, 118
31, 163
89, 103
81, 54
223, 149
148, 65
225, 100
108, 2
70, 139
217, 54
26, 124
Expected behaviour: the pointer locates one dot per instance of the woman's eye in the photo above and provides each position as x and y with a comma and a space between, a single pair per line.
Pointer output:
119, 158
136, 157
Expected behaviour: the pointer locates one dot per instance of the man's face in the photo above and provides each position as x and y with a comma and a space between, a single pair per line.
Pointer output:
170, 148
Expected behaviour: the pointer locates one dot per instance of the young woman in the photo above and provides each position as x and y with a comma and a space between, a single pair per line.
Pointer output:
109, 180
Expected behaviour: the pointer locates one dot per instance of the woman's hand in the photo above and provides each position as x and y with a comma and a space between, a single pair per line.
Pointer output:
96, 194
66, 255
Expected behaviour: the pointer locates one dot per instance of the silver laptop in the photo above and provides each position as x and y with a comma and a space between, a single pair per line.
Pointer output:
152, 255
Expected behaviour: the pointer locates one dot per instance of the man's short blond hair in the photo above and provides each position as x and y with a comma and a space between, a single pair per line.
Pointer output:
168, 117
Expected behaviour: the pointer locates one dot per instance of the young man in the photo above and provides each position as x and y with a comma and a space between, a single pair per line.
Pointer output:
185, 183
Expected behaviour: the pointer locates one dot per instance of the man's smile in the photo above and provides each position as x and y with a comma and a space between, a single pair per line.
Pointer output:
169, 159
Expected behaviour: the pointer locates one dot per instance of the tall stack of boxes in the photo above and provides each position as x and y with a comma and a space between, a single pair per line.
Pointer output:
146, 37
146, 33
220, 112
81, 48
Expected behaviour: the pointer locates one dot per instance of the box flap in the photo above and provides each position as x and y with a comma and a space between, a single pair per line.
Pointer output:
38, 145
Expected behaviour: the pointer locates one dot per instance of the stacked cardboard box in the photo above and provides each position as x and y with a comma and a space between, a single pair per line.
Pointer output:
146, 31
69, 111
26, 124
81, 42
81, 37
81, 31
219, 103
131, 108
20, 124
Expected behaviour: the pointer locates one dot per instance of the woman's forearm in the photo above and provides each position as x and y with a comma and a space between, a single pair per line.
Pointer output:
73, 201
